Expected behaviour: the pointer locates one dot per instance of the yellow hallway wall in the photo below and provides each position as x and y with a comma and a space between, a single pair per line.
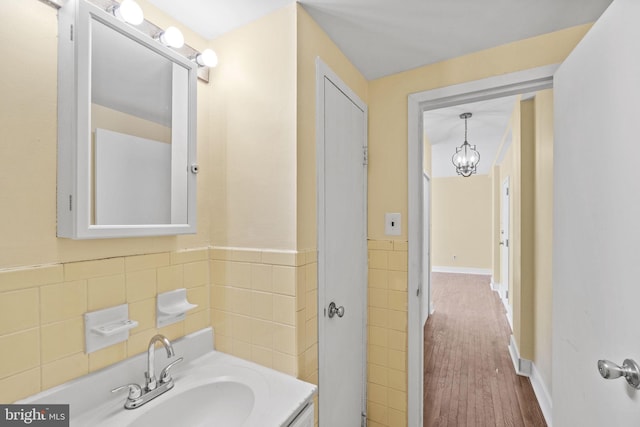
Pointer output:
461, 222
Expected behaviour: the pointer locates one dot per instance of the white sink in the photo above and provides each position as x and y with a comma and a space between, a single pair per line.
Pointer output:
208, 405
211, 389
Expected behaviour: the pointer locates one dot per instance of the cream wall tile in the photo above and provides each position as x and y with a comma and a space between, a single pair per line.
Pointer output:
380, 245
140, 285
107, 356
199, 296
301, 296
189, 255
400, 245
281, 258
284, 309
196, 274
219, 298
398, 320
63, 301
224, 344
62, 339
301, 330
262, 333
378, 279
377, 393
397, 379
398, 360
398, 261
378, 317
242, 328
144, 312
218, 272
105, 292
311, 359
398, 280
241, 349
20, 278
378, 260
263, 305
397, 418
397, 400
378, 374
261, 277
19, 310
139, 342
397, 340
245, 255
21, 352
284, 280
311, 332
221, 323
311, 276
239, 274
218, 253
239, 300
378, 355
63, 370
20, 386
284, 339
398, 300
170, 278
378, 298
196, 321
174, 331
312, 304
262, 356
378, 336
285, 363
377, 413
90, 269
147, 262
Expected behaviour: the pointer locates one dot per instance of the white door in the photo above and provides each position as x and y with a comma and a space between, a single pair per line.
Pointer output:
504, 247
342, 253
596, 260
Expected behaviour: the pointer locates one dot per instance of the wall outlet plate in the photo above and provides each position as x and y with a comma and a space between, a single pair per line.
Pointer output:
392, 224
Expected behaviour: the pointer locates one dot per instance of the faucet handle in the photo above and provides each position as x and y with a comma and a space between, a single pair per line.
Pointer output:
164, 375
135, 391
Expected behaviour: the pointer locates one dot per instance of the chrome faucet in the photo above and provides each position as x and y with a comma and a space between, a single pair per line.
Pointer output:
150, 375
139, 396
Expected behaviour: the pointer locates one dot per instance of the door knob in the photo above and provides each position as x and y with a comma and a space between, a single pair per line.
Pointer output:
333, 310
629, 370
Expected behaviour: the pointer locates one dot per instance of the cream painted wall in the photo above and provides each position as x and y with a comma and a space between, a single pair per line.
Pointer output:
314, 42
496, 187
426, 155
28, 129
388, 109
253, 129
461, 222
543, 239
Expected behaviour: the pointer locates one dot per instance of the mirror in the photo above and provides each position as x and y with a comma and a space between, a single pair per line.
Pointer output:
125, 163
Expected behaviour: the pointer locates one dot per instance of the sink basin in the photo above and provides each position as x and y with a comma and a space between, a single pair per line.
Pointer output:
223, 403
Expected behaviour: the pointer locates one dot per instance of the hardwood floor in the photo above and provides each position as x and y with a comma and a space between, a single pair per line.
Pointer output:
469, 377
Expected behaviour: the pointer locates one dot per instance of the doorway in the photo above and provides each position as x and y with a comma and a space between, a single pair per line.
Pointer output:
341, 128
505, 211
509, 84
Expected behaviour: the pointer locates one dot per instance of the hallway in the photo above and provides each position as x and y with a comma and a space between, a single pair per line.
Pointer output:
469, 377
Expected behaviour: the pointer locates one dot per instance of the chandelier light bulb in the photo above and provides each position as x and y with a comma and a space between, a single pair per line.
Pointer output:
207, 58
129, 11
172, 37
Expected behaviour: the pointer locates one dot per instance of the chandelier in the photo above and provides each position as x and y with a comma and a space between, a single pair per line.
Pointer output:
466, 157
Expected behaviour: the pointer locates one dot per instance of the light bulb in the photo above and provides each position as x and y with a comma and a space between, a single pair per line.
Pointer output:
129, 11
207, 58
172, 37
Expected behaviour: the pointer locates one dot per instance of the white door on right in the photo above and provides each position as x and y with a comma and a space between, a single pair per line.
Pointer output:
596, 248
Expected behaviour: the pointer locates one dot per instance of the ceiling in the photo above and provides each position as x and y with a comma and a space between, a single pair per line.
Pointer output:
383, 37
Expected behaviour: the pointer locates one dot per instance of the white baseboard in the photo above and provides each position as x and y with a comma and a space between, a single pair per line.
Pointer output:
462, 270
494, 286
522, 366
542, 394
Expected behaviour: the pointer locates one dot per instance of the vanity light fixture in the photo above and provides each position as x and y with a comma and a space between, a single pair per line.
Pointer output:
207, 58
171, 37
466, 157
128, 11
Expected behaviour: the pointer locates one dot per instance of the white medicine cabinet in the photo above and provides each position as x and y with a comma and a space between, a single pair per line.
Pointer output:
126, 129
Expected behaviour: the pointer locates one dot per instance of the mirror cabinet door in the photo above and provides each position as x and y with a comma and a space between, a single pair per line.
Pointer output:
131, 144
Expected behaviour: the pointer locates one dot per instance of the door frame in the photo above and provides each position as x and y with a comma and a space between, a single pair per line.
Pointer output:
518, 82
505, 204
324, 71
